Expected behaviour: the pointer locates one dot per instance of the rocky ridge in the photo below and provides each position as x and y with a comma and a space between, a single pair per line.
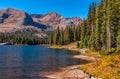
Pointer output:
55, 20
12, 20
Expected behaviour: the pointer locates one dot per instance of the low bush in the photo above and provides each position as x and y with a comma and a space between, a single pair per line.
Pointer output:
112, 50
117, 60
104, 52
118, 72
78, 44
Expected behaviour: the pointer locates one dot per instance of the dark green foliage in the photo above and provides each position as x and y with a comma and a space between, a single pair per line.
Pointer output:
118, 39
90, 27
60, 40
83, 42
107, 25
67, 36
78, 44
51, 39
104, 52
56, 36
118, 72
98, 29
21, 39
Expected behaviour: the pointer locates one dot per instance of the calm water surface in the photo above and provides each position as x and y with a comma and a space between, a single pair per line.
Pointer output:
21, 62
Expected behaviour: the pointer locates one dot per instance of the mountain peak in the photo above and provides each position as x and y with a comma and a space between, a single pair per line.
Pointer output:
53, 14
9, 9
54, 20
15, 20
13, 16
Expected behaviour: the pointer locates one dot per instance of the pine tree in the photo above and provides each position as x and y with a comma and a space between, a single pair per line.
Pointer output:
78, 32
60, 40
88, 27
90, 32
67, 35
108, 27
51, 39
104, 24
117, 22
56, 36
98, 25
75, 33
114, 21
118, 39
83, 28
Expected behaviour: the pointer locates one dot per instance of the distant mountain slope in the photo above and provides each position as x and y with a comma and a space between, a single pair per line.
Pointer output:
54, 20
12, 16
12, 20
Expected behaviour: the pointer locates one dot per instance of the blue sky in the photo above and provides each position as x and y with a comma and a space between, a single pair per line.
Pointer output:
67, 8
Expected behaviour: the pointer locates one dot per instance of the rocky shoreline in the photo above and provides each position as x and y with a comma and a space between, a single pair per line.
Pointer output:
72, 72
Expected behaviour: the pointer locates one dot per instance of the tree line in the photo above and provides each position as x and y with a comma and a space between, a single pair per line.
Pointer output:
99, 32
21, 39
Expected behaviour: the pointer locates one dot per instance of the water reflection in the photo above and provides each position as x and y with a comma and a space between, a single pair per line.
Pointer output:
19, 62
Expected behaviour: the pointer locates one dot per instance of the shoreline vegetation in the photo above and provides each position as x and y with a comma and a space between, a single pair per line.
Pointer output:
100, 67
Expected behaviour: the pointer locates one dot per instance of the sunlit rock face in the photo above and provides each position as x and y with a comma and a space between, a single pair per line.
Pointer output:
12, 20
12, 16
55, 20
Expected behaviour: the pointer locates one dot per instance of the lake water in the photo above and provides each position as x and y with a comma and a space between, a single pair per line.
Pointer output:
22, 62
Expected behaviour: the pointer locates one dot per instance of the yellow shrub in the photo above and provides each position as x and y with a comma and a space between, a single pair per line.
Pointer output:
117, 60
108, 68
113, 50
105, 63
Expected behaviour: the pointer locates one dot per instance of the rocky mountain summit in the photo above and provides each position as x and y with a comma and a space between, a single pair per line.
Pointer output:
12, 16
55, 20
12, 20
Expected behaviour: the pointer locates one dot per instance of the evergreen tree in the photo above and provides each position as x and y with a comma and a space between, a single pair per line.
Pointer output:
67, 35
103, 27
51, 39
117, 22
60, 41
98, 25
75, 33
83, 30
114, 21
118, 39
56, 36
